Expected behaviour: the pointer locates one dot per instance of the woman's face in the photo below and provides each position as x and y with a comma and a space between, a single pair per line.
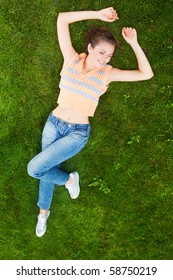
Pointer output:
101, 53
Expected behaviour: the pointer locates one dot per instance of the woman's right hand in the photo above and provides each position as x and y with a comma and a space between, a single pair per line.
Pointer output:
108, 14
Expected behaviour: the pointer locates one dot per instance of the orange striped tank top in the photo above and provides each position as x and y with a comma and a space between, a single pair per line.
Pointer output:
81, 92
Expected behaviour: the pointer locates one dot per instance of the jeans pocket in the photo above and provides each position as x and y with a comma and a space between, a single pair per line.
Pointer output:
49, 134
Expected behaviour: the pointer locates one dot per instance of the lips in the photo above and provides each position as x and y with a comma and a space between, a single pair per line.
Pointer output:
101, 62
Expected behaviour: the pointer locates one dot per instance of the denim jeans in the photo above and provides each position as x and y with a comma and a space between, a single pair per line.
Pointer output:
60, 141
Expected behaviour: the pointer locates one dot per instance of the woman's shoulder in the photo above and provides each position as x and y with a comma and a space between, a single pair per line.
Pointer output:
74, 59
106, 69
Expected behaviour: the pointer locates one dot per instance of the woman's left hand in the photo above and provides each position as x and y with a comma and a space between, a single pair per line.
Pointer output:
108, 14
129, 34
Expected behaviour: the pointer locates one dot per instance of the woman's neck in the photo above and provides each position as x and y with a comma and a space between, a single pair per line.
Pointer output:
88, 65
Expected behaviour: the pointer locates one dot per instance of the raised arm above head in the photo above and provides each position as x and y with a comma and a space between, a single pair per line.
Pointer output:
66, 18
144, 71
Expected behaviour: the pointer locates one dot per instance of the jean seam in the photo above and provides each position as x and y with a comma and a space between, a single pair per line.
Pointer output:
72, 151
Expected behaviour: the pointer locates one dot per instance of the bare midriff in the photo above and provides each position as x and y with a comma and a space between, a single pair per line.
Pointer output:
70, 115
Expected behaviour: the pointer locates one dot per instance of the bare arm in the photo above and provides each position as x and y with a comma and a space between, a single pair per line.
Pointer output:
144, 71
66, 18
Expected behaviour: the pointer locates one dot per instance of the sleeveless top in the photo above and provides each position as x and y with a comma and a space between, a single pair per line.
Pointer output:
81, 92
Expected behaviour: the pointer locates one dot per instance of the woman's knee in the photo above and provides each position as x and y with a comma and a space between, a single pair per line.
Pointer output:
31, 169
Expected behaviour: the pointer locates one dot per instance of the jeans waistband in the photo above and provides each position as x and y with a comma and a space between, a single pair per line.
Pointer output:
57, 120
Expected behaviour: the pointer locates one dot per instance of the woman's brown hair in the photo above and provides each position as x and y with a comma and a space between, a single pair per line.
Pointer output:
97, 34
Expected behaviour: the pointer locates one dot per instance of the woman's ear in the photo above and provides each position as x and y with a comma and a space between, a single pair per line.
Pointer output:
89, 48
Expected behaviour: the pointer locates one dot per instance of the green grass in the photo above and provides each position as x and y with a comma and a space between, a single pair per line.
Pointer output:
125, 209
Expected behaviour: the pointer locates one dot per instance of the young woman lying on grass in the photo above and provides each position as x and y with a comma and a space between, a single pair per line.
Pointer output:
84, 78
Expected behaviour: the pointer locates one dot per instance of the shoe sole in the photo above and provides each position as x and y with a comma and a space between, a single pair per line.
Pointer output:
78, 185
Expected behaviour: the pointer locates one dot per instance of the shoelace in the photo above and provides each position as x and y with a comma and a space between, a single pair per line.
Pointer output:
41, 222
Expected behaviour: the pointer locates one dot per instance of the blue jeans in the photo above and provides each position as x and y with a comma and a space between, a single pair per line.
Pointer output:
60, 141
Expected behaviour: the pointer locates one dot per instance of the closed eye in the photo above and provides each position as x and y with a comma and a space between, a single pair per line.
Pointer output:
109, 56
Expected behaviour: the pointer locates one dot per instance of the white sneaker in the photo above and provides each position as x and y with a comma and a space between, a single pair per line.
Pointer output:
74, 188
41, 224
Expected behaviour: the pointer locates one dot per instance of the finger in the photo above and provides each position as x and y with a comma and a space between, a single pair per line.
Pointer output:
115, 16
111, 20
124, 30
